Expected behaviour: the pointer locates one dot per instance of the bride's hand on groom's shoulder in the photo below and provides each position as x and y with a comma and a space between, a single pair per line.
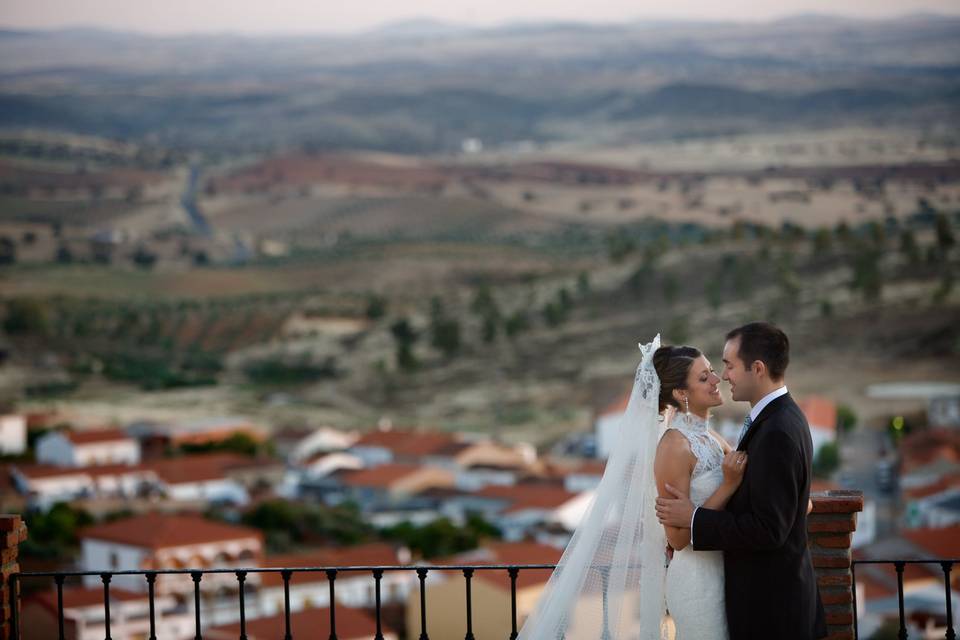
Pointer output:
734, 466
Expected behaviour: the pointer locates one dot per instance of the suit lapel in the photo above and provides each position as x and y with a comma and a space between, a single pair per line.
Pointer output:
772, 407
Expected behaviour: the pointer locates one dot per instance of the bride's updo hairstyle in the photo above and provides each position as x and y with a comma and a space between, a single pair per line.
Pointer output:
672, 365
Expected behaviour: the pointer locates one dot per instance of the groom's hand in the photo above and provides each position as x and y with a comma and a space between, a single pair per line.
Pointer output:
674, 510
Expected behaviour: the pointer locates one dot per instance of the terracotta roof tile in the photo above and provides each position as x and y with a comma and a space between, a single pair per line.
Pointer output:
949, 481
79, 597
509, 553
352, 624
408, 443
938, 543
382, 476
97, 436
158, 531
528, 496
197, 468
820, 412
373, 554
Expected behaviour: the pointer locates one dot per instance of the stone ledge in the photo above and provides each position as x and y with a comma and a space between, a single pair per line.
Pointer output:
837, 501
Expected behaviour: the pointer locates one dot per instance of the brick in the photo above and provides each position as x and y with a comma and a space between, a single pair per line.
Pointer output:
840, 634
830, 562
832, 523
836, 596
9, 522
839, 501
839, 617
834, 579
832, 541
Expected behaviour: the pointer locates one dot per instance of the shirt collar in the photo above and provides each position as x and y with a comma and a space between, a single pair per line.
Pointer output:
765, 400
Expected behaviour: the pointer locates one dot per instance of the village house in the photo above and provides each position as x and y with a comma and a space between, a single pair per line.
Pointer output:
87, 448
352, 624
13, 434
490, 591
353, 589
162, 541
83, 615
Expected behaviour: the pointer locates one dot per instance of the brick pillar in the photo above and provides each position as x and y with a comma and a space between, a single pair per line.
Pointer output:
830, 527
13, 531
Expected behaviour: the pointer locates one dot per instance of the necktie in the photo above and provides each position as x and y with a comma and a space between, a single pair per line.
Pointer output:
743, 431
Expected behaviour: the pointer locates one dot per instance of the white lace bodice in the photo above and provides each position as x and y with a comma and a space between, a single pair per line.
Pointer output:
707, 473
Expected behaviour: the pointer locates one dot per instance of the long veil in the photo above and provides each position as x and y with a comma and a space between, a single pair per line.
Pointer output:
609, 583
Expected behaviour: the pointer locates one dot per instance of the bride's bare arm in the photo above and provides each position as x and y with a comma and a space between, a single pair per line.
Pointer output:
673, 465
734, 464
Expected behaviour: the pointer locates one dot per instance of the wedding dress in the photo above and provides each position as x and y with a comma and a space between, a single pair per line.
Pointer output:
694, 584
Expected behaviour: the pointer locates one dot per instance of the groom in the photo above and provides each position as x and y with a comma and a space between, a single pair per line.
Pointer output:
770, 588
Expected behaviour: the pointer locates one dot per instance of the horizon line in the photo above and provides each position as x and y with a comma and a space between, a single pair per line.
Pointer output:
414, 21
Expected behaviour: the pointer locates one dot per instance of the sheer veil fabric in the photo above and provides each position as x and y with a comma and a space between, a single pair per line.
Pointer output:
609, 583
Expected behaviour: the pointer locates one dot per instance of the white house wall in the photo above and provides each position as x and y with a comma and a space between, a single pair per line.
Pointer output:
13, 434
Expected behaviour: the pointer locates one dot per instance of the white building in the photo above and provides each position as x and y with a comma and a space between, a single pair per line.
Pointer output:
88, 448
13, 434
161, 541
83, 614
45, 485
607, 423
353, 588
201, 478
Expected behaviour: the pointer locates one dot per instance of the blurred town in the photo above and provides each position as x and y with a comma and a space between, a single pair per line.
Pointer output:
373, 299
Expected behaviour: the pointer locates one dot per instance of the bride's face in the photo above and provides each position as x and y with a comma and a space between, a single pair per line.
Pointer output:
703, 386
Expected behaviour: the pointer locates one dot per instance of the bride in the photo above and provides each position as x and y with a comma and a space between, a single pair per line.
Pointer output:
612, 582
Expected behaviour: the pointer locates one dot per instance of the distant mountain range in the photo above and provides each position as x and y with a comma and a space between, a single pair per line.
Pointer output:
424, 86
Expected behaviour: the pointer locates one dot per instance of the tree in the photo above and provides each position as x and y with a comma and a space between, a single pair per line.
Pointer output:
670, 288
945, 237
822, 241
827, 460
144, 258
846, 418
376, 306
404, 336
8, 250
583, 283
26, 316
444, 331
866, 273
909, 247
516, 323
53, 534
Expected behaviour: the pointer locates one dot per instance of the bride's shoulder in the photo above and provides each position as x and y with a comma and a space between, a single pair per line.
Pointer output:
673, 441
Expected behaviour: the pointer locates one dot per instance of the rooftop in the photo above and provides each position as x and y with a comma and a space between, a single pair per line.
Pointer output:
382, 476
80, 597
97, 436
352, 624
372, 554
158, 531
412, 443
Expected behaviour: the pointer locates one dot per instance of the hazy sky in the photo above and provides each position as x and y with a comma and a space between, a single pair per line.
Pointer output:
286, 16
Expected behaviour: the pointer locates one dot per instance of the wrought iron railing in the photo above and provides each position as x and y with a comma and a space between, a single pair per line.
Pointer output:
331, 573
899, 566
377, 573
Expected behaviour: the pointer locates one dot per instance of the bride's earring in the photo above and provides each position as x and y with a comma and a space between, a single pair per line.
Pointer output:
686, 403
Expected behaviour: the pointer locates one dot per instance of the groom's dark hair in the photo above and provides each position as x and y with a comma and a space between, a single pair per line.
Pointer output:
765, 342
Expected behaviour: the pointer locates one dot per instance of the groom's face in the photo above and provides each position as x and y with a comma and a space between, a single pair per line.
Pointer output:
735, 373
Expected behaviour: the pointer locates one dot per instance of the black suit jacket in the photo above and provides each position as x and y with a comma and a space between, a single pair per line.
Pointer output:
770, 587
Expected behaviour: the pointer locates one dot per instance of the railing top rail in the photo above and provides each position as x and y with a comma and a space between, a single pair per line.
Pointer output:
935, 561
234, 570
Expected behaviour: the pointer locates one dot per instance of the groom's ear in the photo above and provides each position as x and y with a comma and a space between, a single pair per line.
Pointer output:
759, 368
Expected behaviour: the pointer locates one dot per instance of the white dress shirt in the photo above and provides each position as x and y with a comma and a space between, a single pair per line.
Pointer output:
754, 413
